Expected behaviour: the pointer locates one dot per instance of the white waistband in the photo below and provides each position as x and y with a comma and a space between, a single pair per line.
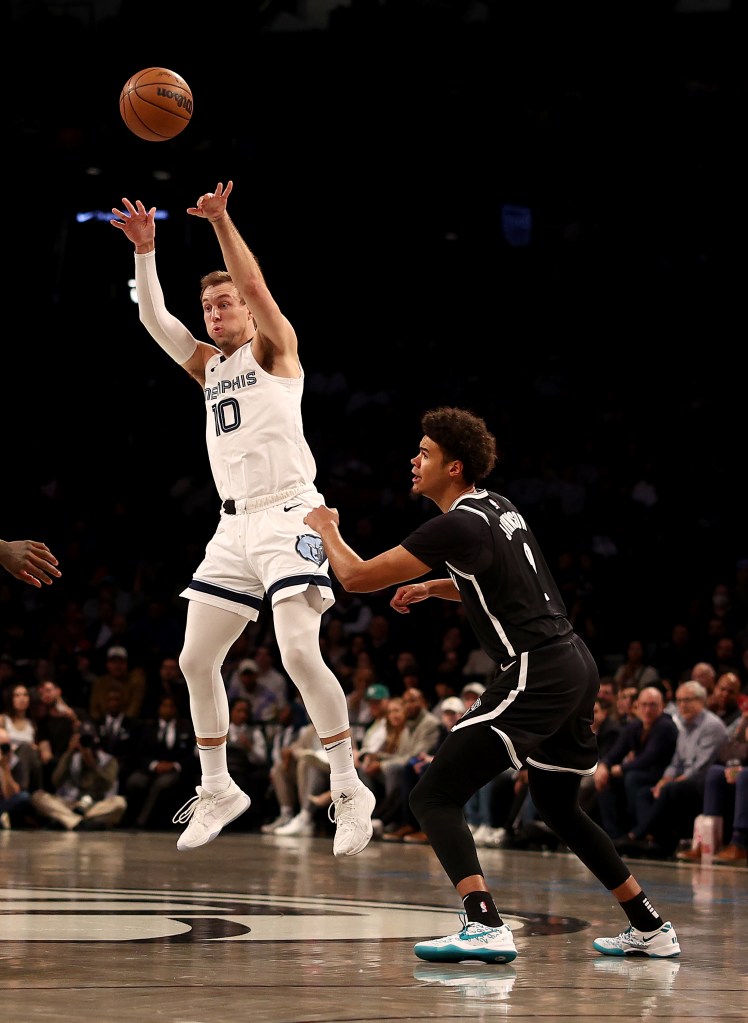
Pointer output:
252, 504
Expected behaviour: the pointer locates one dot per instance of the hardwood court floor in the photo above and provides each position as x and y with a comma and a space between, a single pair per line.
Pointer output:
119, 926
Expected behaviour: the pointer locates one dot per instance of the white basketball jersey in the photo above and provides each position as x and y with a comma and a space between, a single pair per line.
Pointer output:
254, 431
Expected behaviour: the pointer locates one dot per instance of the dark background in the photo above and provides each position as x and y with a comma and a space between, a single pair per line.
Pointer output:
372, 158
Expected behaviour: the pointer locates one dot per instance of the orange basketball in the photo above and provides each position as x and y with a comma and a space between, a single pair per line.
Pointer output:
156, 104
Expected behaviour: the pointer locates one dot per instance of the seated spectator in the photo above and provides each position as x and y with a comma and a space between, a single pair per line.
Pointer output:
704, 673
263, 702
21, 731
478, 667
167, 681
248, 760
726, 796
118, 671
377, 697
85, 796
119, 734
625, 705
14, 800
607, 728
724, 699
359, 713
269, 675
165, 767
293, 717
382, 772
627, 772
311, 770
55, 723
369, 766
679, 794
608, 689
635, 671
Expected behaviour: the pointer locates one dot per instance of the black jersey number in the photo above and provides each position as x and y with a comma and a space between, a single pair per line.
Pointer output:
226, 416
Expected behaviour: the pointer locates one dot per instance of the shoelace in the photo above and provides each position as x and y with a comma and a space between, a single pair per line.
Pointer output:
185, 812
334, 808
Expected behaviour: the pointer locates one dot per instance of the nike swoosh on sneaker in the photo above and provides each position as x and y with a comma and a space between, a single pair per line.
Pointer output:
508, 666
290, 507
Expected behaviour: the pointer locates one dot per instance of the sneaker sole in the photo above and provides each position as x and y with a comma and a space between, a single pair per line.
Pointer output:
215, 834
635, 953
453, 954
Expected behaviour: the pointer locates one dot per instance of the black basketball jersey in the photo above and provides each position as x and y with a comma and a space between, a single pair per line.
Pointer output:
510, 598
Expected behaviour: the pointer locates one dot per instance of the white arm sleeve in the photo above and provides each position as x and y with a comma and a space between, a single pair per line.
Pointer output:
164, 328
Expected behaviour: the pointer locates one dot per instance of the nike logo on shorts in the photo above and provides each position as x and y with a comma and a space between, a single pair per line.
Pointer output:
506, 667
290, 507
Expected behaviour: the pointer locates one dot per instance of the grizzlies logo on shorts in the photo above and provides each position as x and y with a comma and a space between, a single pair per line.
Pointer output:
310, 547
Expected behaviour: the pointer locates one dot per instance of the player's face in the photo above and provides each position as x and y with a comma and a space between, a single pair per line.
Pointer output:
430, 471
227, 318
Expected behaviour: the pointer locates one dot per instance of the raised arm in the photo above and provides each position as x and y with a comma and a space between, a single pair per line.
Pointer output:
139, 225
275, 345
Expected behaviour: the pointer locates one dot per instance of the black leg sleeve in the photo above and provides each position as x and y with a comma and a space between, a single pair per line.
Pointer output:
464, 763
556, 798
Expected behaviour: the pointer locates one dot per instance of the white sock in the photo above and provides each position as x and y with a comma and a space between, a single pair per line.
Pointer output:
215, 773
343, 777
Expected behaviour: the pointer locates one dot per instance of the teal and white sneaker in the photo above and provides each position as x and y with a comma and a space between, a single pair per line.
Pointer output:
474, 943
659, 944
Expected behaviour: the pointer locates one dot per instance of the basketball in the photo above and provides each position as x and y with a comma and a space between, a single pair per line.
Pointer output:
156, 104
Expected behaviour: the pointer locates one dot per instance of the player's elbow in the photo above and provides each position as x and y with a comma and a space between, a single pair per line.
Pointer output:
356, 580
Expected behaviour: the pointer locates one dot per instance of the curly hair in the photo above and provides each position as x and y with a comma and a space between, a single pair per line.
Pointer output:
464, 436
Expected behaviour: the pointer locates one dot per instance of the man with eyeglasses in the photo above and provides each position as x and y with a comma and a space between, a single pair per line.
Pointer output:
635, 763
679, 794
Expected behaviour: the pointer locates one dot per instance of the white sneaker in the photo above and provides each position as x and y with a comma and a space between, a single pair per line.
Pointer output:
351, 816
659, 944
301, 825
495, 838
475, 942
377, 827
269, 829
208, 813
481, 834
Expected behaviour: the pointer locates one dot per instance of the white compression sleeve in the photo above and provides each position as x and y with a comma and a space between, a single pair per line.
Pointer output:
164, 328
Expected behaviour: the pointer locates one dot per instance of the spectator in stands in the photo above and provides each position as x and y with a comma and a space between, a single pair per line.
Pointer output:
268, 674
55, 723
724, 700
21, 729
84, 796
166, 764
635, 671
726, 796
679, 794
118, 671
704, 673
627, 772
14, 799
292, 718
119, 733
263, 702
625, 705
248, 759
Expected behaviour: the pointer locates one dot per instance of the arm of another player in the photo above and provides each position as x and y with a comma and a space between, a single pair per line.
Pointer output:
30, 561
355, 574
275, 345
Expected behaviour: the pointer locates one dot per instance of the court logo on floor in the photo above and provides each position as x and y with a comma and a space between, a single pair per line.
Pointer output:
129, 915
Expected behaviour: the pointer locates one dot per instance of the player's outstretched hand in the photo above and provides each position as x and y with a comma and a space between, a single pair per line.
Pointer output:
138, 223
30, 561
212, 205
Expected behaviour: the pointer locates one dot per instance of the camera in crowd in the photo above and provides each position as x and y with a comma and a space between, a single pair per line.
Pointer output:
88, 738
